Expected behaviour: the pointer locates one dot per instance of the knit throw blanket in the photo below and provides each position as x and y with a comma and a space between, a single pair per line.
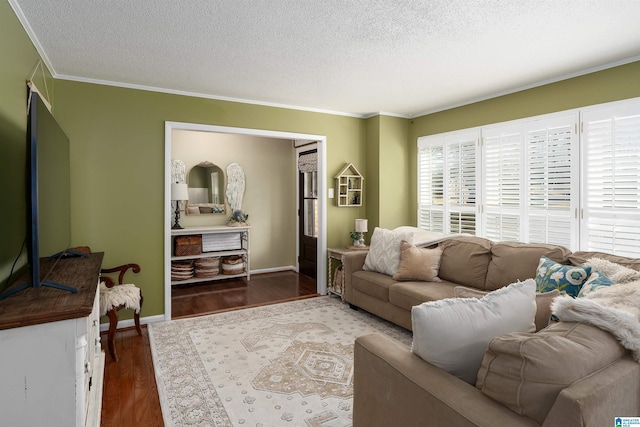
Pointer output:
615, 309
125, 294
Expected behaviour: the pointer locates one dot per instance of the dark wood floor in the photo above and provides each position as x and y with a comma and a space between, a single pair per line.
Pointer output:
130, 395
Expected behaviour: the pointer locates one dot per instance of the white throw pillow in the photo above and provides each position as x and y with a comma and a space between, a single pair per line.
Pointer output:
454, 333
384, 250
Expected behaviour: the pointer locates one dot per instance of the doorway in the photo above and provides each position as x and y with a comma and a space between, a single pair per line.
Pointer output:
321, 208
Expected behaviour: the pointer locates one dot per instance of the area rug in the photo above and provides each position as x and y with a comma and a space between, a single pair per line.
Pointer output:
288, 364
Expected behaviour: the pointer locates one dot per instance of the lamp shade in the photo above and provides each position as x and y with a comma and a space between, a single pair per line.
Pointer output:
179, 192
361, 225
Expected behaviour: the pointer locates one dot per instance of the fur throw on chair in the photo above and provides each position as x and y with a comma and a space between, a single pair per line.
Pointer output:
615, 309
125, 294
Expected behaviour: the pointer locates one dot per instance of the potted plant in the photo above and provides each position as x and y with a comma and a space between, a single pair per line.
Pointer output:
355, 237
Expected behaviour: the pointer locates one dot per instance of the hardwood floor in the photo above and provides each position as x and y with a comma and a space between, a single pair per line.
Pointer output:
130, 394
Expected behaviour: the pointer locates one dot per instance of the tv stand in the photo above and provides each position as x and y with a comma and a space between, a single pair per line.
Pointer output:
51, 349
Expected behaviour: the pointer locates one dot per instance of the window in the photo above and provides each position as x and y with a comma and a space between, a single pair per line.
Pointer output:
611, 180
447, 187
539, 180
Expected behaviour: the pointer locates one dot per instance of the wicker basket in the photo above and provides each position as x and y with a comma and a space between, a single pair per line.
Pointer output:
232, 264
207, 267
188, 245
181, 270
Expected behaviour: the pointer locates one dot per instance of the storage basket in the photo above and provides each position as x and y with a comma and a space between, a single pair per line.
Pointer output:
233, 264
188, 245
207, 267
181, 270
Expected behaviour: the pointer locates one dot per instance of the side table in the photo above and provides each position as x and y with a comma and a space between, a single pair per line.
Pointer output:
338, 254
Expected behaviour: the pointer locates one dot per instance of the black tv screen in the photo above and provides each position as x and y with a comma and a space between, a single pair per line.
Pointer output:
49, 205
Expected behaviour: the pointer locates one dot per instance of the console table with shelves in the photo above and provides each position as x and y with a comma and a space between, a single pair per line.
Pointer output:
52, 361
217, 242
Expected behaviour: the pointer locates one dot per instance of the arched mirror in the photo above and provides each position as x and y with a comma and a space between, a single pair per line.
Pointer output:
206, 190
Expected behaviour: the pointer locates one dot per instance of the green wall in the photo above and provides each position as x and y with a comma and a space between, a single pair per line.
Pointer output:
117, 172
18, 59
388, 163
613, 84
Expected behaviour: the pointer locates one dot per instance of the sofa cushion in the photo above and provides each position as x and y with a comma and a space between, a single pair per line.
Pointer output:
418, 263
465, 260
526, 372
513, 261
453, 333
407, 294
543, 303
371, 283
566, 278
384, 250
579, 258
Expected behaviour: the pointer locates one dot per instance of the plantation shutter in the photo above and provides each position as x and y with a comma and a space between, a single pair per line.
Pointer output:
611, 180
552, 181
447, 176
431, 184
502, 166
461, 182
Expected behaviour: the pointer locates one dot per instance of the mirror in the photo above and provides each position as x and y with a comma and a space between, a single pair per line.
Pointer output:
206, 190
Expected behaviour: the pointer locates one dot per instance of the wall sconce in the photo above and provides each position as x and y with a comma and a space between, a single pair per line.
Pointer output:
361, 228
179, 192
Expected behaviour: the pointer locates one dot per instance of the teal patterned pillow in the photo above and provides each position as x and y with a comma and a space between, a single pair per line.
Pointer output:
567, 279
595, 281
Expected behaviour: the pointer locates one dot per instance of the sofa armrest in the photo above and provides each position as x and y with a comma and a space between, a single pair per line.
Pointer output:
393, 386
353, 262
597, 399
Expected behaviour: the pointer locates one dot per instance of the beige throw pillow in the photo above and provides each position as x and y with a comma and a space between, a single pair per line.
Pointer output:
543, 303
418, 263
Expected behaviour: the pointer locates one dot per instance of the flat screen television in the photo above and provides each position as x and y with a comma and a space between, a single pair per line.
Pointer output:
48, 196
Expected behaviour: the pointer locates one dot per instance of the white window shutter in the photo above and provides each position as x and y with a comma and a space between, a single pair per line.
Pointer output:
431, 184
552, 181
611, 179
502, 181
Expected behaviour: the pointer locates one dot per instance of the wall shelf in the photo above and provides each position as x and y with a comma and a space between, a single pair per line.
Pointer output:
349, 187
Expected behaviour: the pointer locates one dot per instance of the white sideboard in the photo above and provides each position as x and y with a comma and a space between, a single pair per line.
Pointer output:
217, 241
51, 360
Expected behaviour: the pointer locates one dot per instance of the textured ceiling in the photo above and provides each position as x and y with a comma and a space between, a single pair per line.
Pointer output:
359, 57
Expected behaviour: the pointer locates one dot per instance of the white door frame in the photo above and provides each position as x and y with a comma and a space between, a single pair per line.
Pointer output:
321, 280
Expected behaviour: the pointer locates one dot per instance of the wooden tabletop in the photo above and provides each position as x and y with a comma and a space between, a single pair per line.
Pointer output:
33, 306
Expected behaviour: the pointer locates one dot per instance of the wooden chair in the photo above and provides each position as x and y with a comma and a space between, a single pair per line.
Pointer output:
107, 296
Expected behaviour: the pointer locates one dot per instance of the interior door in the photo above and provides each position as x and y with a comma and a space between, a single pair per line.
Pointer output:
308, 213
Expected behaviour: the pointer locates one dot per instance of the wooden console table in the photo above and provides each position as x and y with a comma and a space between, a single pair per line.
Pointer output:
52, 363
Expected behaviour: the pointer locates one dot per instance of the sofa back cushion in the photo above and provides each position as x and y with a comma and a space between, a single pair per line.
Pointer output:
465, 260
580, 257
526, 372
513, 261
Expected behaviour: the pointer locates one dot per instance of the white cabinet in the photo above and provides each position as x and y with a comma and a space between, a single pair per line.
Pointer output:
213, 245
52, 372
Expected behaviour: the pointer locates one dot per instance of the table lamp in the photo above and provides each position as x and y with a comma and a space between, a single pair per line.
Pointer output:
361, 228
179, 192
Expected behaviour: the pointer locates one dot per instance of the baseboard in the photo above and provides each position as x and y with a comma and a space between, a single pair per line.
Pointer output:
274, 269
129, 323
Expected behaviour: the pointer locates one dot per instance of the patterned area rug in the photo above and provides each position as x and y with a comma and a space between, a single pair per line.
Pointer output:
288, 364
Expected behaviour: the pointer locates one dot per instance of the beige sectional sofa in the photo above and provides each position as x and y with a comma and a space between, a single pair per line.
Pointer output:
567, 374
